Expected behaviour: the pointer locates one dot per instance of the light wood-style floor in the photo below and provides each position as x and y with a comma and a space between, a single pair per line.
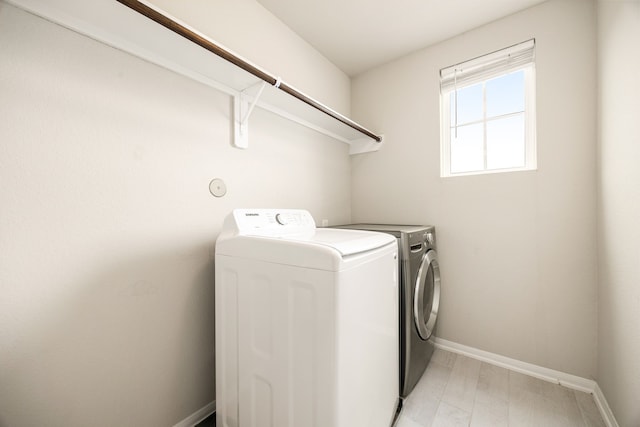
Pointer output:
456, 390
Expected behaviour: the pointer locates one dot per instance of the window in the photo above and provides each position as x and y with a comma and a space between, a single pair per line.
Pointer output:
488, 113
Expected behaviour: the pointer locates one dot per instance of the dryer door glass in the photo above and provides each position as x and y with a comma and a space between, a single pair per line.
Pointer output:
427, 295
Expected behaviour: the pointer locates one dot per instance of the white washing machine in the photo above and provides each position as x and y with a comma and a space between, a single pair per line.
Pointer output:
306, 323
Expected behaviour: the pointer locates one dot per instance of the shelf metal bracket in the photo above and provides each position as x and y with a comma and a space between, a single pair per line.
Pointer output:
243, 105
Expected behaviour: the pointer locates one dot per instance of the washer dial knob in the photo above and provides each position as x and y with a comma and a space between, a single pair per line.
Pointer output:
430, 238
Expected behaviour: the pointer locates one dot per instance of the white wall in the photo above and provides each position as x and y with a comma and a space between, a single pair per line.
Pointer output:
251, 31
619, 208
107, 227
517, 250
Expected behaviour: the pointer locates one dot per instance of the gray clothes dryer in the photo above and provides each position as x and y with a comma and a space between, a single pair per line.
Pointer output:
419, 296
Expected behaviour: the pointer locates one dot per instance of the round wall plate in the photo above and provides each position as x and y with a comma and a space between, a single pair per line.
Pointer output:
217, 187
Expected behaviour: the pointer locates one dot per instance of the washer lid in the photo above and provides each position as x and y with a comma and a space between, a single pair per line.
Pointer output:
258, 234
346, 242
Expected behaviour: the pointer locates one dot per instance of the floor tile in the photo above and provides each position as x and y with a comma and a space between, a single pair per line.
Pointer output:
490, 414
404, 421
422, 403
421, 410
493, 384
522, 407
433, 381
443, 357
461, 389
491, 406
451, 416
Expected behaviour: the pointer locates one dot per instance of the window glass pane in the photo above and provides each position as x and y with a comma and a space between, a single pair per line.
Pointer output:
467, 149
505, 142
505, 94
469, 104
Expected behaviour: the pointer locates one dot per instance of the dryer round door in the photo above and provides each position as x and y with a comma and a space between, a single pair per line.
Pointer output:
426, 298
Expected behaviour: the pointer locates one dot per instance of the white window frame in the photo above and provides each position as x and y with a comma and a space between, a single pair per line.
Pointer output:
480, 70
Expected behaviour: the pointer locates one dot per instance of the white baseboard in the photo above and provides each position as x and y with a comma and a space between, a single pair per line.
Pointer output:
198, 416
568, 380
604, 408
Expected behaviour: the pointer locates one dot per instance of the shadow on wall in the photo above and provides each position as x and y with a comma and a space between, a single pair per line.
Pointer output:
132, 345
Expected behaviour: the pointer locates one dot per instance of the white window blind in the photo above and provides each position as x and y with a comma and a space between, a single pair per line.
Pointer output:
486, 66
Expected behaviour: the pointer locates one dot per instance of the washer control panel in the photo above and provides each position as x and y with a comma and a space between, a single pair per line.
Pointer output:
272, 221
